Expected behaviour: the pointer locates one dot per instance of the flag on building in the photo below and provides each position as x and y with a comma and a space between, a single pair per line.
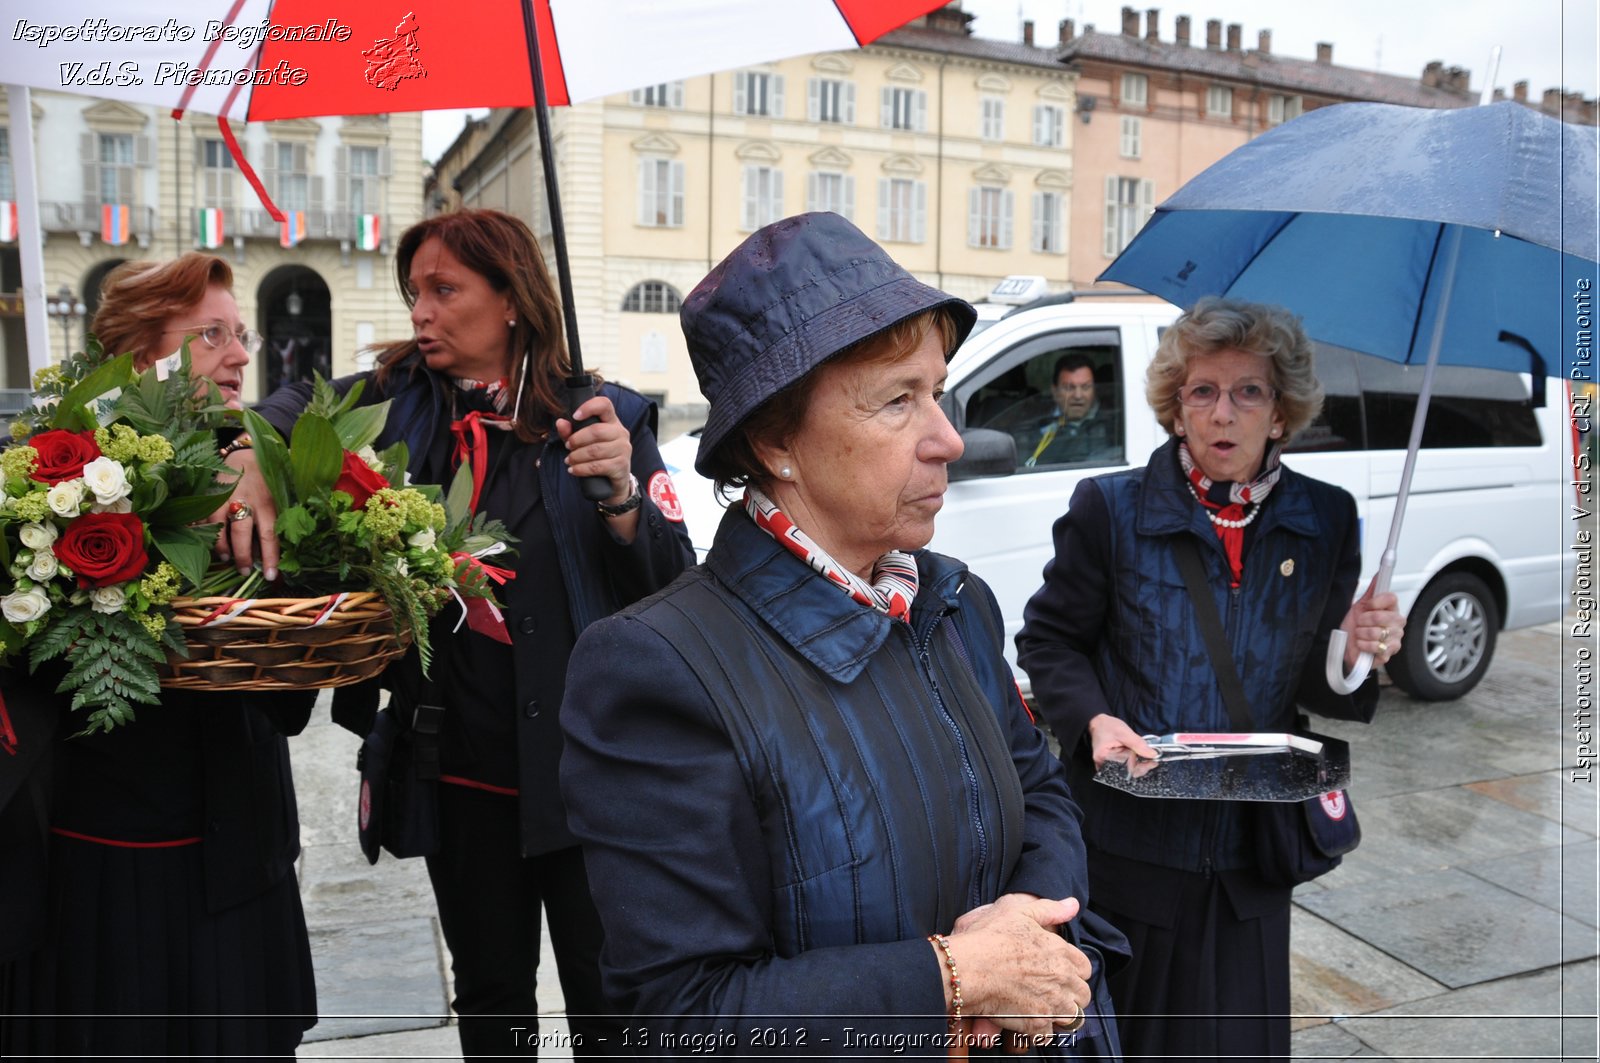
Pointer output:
294, 228
114, 223
210, 227
8, 221
368, 232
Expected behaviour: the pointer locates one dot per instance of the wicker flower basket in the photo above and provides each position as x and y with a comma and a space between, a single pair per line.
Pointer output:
282, 643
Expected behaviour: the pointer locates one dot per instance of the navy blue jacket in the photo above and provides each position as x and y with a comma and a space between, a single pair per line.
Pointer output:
581, 564
1112, 630
781, 792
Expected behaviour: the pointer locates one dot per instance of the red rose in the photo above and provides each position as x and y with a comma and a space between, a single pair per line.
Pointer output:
62, 454
103, 548
357, 480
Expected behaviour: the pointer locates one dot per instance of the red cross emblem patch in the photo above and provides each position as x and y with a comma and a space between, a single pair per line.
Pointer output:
665, 496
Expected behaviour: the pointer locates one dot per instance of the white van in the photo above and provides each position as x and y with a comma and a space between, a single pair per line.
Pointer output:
1484, 545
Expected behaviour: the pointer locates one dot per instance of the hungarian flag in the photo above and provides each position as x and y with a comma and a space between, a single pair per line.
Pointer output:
8, 221
368, 232
114, 223
210, 227
294, 228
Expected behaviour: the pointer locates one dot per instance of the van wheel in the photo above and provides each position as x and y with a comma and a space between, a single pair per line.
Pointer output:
1449, 639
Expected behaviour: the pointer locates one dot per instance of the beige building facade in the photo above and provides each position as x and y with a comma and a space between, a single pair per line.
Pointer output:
355, 182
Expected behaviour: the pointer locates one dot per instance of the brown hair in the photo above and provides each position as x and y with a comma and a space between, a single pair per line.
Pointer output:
1213, 325
502, 249
734, 464
137, 298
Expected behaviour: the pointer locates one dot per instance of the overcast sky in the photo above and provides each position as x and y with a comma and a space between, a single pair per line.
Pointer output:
1548, 43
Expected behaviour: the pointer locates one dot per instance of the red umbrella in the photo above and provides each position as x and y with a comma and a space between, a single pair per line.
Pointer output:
259, 60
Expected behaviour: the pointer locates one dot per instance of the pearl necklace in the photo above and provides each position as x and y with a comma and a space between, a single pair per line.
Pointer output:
1223, 522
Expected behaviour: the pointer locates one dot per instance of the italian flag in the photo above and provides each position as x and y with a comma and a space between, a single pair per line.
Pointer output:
210, 227
8, 221
368, 232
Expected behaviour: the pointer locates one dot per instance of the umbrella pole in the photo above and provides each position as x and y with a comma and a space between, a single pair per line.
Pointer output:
580, 385
30, 234
1337, 638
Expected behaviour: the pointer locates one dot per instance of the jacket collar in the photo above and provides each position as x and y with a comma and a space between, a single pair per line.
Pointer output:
1166, 507
825, 626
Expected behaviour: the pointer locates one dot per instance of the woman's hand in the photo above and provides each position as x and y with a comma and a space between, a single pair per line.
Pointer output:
1017, 973
239, 538
603, 449
1112, 739
1373, 625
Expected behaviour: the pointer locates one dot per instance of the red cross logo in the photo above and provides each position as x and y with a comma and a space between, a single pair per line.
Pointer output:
665, 496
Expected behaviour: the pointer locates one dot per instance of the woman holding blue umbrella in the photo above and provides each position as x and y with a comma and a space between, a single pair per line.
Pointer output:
1115, 650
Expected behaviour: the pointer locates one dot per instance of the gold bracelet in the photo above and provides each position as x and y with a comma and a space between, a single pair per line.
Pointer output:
240, 442
955, 979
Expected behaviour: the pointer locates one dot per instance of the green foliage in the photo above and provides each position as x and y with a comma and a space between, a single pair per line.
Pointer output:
272, 458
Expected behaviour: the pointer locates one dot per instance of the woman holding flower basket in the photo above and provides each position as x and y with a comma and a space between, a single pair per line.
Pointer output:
480, 383
172, 924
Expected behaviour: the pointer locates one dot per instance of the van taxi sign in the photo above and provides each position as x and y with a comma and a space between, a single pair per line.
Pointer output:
1018, 288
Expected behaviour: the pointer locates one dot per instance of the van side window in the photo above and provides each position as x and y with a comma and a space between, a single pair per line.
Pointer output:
1470, 407
1338, 426
1059, 396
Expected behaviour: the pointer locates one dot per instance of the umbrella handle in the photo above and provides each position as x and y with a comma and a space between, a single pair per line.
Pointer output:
1341, 683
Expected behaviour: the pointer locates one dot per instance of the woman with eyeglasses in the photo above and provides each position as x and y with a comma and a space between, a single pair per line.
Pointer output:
165, 915
1114, 649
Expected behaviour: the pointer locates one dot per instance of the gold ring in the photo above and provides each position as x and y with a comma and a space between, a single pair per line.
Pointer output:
238, 511
1074, 1024
1383, 648
1383, 636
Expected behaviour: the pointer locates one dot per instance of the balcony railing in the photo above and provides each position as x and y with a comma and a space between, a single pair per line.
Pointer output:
60, 217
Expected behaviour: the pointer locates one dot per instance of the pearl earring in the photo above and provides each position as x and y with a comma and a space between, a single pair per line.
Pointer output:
785, 473
1276, 432
511, 322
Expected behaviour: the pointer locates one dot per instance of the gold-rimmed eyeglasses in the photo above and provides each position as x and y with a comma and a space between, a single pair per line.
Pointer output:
219, 336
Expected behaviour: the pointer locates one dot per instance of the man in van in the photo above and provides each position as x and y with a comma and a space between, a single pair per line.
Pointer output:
1077, 430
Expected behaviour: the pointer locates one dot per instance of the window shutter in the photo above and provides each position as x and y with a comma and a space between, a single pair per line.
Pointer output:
812, 192
884, 192
675, 193
886, 110
271, 172
974, 217
385, 163
1058, 223
316, 196
91, 169
747, 217
647, 181
125, 185
1056, 116
849, 184
1008, 201
919, 216
776, 108
676, 89
1109, 242
1037, 241
849, 93
1147, 201
777, 210
920, 122
636, 97
341, 176
739, 91
813, 99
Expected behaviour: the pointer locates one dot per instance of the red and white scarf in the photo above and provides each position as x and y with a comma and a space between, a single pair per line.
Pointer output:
1229, 499
894, 575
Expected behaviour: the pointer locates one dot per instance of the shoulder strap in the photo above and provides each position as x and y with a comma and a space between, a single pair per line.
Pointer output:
1205, 609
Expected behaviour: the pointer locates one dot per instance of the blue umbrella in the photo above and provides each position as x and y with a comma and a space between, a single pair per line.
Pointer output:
1463, 236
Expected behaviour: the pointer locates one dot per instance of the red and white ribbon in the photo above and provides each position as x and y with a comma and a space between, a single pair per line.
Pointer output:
227, 612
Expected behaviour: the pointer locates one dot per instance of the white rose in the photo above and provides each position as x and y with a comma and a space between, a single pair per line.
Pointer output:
401, 567
65, 498
19, 564
38, 536
107, 479
422, 540
107, 599
19, 607
43, 566
121, 505
370, 456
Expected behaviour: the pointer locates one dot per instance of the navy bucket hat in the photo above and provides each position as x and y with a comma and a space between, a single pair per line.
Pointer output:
793, 295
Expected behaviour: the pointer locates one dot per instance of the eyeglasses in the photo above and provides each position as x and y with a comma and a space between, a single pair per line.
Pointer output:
1251, 395
219, 336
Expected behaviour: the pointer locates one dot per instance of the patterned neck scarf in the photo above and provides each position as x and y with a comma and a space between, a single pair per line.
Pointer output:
1229, 500
894, 575
487, 402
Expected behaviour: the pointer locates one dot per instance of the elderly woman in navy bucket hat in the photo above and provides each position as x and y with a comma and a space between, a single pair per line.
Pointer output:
818, 817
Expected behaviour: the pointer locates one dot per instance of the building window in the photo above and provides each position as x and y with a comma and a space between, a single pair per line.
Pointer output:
1129, 203
293, 190
831, 191
905, 109
666, 94
8, 180
660, 193
992, 122
1049, 121
364, 194
216, 174
1132, 134
1219, 101
1282, 108
902, 210
763, 197
1135, 90
757, 93
989, 218
831, 100
1048, 223
116, 167
652, 297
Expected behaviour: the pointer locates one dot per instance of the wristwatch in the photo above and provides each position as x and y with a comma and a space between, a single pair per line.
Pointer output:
634, 500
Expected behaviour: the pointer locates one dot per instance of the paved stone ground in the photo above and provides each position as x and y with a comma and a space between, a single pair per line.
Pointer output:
1464, 927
